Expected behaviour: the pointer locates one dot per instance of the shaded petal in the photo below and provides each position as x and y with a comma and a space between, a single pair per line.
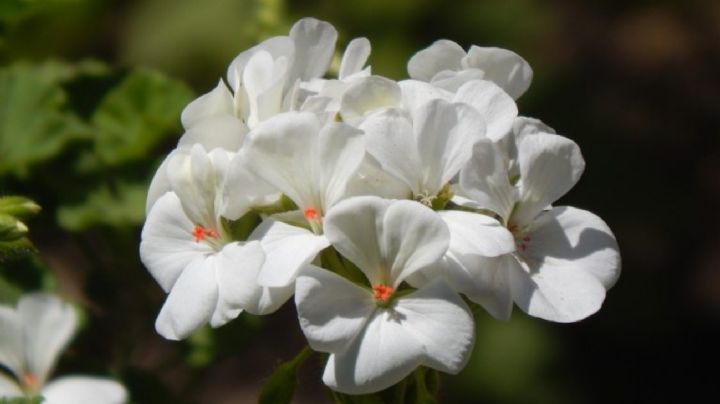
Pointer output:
445, 133
485, 180
439, 319
577, 238
472, 233
264, 78
219, 101
314, 48
496, 107
549, 166
84, 390
371, 179
452, 80
191, 301
389, 139
244, 190
483, 280
167, 245
503, 67
441, 55
331, 309
368, 95
8, 387
570, 260
342, 149
380, 356
355, 57
287, 249
12, 341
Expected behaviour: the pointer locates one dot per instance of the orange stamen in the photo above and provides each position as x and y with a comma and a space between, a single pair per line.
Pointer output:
200, 233
382, 292
30, 381
311, 214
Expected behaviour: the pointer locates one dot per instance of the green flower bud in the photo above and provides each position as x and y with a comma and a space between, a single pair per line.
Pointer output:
11, 228
18, 206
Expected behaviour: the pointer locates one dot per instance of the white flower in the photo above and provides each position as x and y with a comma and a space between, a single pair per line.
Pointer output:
31, 339
427, 148
564, 258
445, 64
312, 165
379, 334
186, 247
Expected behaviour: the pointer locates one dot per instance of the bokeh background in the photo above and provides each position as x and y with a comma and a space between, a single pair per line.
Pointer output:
90, 96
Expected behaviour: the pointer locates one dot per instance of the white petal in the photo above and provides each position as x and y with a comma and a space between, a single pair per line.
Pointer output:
416, 93
472, 233
222, 131
439, 319
453, 80
279, 46
549, 166
387, 240
485, 180
264, 78
441, 55
578, 238
167, 245
354, 58
445, 134
219, 101
237, 270
191, 301
281, 151
314, 47
84, 390
380, 356
342, 149
159, 185
371, 179
496, 107
244, 190
503, 67
571, 259
368, 95
12, 341
287, 249
49, 325
8, 387
389, 139
331, 309
483, 280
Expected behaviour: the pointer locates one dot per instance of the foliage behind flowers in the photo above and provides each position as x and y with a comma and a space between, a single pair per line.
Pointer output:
386, 208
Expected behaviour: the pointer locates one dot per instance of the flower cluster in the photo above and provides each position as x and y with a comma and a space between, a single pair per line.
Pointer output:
31, 339
378, 204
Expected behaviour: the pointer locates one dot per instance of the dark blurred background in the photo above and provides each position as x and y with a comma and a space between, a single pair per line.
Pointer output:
635, 83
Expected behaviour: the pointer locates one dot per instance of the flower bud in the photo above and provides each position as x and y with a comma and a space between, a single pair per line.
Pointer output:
18, 206
11, 228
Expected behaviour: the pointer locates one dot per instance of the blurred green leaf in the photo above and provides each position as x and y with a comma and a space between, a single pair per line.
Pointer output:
122, 205
280, 387
15, 249
9, 292
35, 123
137, 115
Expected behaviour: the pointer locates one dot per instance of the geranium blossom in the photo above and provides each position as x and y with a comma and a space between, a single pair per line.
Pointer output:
32, 336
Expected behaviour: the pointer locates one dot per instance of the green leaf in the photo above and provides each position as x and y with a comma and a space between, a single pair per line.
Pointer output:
122, 205
35, 123
280, 387
138, 115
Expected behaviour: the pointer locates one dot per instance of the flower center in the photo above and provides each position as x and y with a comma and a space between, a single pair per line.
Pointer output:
382, 293
311, 214
201, 233
30, 381
521, 238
